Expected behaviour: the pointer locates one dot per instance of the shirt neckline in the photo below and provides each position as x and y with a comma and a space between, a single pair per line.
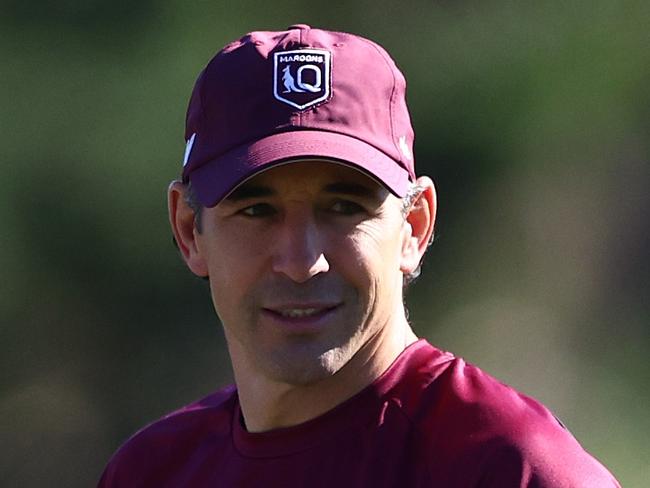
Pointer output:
354, 413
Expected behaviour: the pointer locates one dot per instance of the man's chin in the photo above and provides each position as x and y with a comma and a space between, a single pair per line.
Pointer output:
307, 370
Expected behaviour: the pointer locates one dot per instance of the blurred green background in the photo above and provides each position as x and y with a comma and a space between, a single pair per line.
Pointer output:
532, 118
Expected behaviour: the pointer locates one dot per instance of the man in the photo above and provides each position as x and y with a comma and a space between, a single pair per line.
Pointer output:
299, 203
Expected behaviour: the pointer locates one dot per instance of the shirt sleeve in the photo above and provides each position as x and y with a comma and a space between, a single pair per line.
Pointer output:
540, 463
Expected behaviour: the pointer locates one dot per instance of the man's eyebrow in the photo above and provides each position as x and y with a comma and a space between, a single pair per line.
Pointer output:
247, 191
354, 189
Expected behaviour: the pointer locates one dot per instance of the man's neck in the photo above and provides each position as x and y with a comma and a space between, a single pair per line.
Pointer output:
268, 405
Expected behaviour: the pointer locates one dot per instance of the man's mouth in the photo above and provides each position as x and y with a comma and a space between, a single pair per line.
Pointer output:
300, 312
296, 312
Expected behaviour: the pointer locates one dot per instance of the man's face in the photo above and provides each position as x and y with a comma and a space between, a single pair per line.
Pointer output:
304, 268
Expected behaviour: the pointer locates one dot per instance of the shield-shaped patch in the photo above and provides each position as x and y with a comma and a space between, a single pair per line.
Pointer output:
301, 78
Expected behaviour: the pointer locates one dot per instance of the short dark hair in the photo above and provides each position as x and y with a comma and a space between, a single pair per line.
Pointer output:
192, 200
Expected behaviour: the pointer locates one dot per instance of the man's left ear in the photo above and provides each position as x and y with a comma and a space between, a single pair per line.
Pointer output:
418, 227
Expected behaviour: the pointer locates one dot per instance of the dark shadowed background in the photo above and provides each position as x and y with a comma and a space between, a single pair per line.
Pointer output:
532, 119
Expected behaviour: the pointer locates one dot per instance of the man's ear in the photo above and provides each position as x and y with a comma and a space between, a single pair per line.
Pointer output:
182, 220
418, 227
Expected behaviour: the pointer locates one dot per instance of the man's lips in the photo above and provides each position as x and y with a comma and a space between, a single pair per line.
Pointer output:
301, 318
301, 310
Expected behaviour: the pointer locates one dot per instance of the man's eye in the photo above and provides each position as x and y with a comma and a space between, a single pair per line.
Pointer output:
258, 210
346, 207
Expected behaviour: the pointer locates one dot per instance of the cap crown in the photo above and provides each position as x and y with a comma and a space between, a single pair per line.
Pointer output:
301, 79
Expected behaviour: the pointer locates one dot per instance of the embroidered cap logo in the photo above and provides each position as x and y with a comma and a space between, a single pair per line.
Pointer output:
301, 78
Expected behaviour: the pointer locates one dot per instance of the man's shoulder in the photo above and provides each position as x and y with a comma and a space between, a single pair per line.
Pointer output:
461, 407
214, 410
174, 436
470, 422
451, 388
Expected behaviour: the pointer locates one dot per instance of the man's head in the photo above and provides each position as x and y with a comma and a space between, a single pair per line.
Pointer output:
299, 148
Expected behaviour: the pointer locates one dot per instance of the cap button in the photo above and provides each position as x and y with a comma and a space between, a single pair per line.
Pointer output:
299, 26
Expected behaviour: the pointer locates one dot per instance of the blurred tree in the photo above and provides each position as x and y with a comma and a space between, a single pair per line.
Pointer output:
532, 119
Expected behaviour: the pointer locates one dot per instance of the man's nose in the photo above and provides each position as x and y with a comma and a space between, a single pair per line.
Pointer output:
298, 250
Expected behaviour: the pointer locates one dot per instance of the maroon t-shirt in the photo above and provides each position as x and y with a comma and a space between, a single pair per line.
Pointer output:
430, 420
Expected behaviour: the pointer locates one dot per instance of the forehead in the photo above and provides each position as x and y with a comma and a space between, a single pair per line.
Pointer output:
311, 176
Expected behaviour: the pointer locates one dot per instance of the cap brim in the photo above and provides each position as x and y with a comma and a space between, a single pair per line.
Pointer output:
215, 179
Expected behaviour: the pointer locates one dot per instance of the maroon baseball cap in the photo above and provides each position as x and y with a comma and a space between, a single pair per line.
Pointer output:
276, 97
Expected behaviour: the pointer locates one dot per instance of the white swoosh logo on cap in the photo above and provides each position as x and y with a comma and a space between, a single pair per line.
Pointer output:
188, 149
404, 147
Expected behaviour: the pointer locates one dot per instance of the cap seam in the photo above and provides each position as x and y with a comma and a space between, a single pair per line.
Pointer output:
392, 98
253, 140
201, 100
300, 42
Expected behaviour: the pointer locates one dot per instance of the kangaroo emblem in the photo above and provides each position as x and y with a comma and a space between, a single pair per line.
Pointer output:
301, 77
289, 82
